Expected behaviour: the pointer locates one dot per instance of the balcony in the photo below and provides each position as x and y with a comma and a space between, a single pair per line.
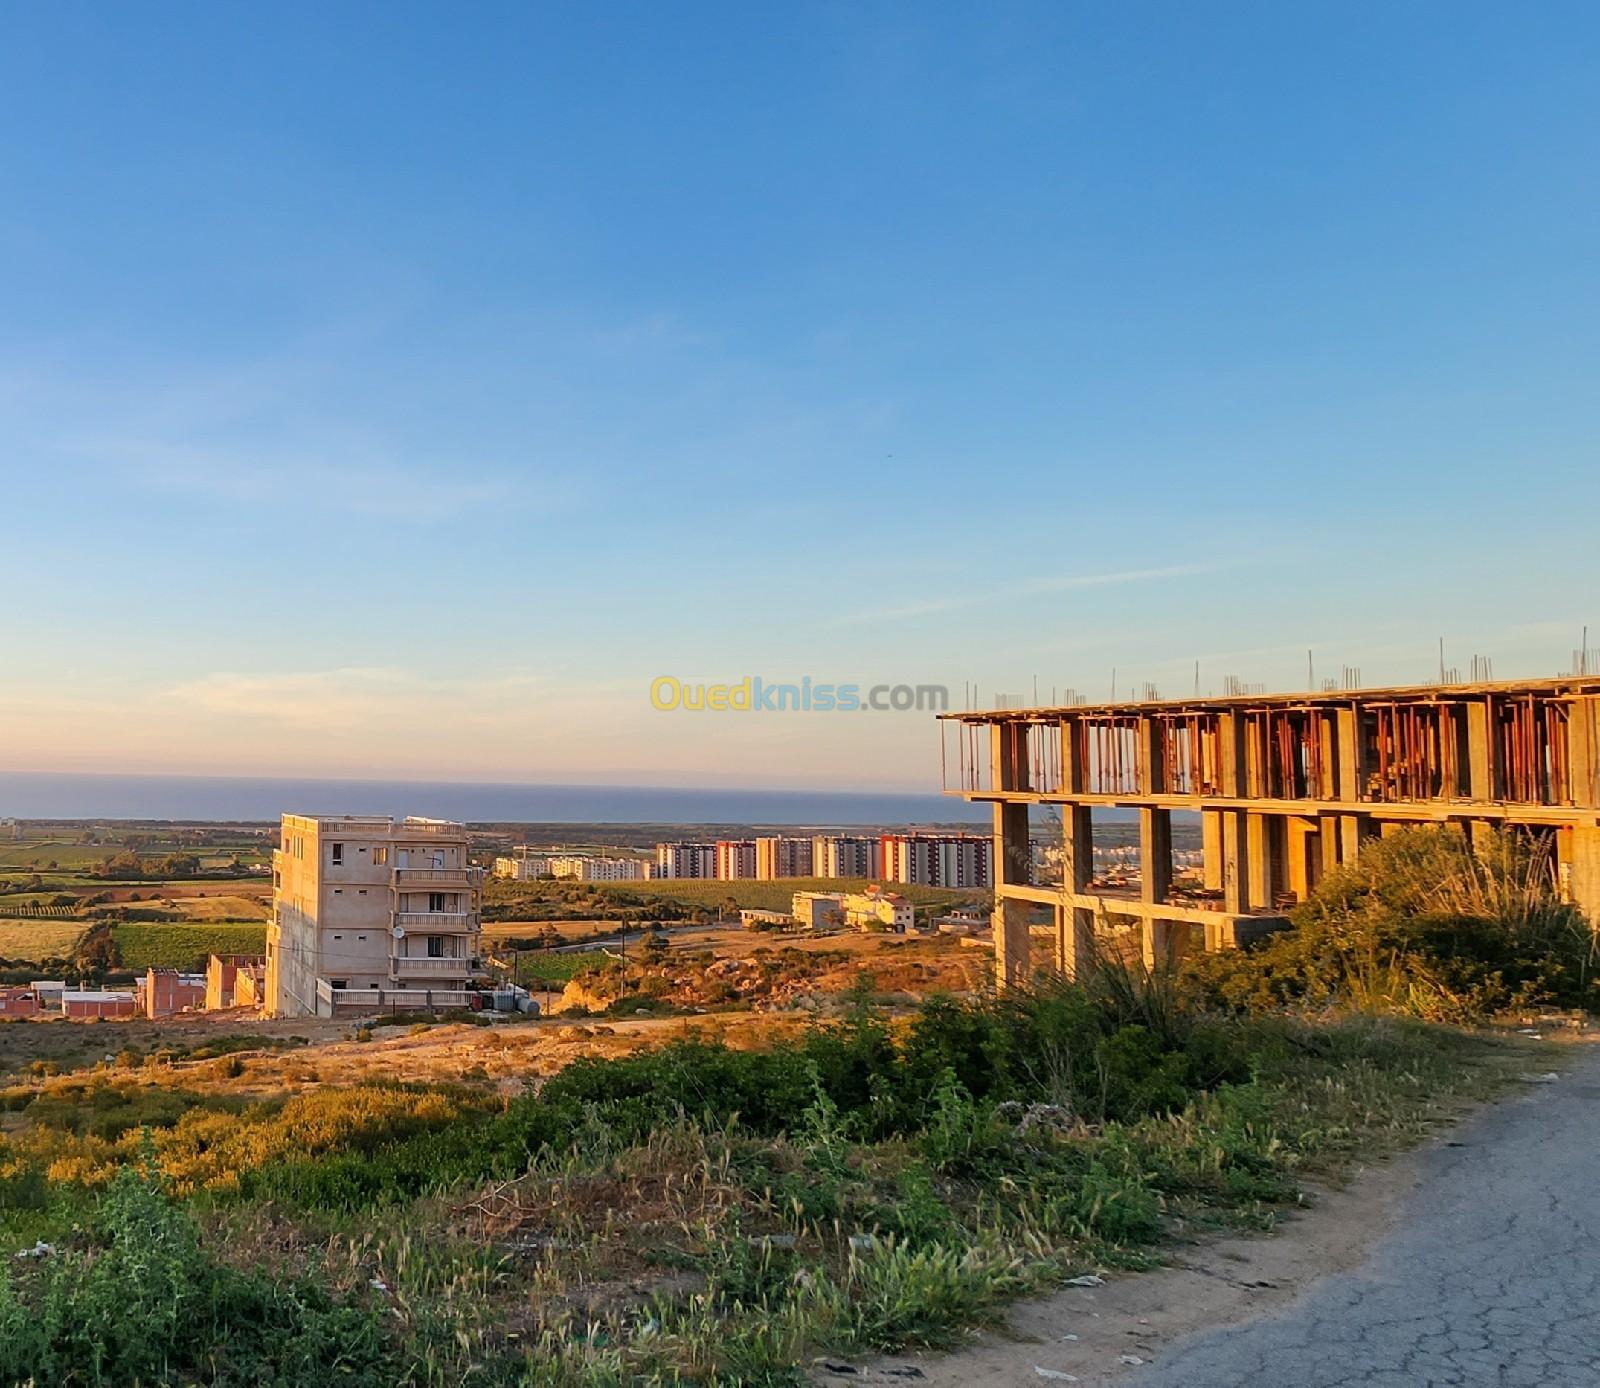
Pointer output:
403, 967
438, 922
467, 877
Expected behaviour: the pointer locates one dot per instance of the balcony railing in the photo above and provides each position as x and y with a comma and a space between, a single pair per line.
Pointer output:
422, 876
437, 922
428, 967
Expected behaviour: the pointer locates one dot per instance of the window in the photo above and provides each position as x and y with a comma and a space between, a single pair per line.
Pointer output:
338, 855
436, 901
380, 856
361, 891
436, 947
362, 938
338, 891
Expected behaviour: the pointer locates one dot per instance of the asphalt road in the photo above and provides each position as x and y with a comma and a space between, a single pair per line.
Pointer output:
1490, 1275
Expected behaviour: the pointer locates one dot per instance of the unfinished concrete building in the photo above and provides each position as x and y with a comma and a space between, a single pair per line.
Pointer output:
1285, 787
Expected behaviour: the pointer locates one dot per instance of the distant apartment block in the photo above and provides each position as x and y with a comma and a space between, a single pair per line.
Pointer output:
783, 857
736, 858
686, 860
846, 856
877, 909
578, 867
522, 866
819, 910
939, 860
371, 912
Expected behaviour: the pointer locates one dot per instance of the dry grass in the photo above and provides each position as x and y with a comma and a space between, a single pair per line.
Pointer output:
38, 939
216, 908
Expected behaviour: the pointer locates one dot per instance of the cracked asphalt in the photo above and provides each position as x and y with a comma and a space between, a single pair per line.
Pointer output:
1489, 1276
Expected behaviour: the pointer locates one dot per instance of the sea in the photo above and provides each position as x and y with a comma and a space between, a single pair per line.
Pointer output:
53, 795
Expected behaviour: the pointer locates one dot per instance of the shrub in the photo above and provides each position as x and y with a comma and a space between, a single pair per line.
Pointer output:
1422, 924
148, 1306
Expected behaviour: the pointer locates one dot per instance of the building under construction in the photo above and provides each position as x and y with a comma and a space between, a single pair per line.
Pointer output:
1285, 787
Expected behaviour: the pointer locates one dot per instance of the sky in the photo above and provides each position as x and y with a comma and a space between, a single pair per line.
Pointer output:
395, 390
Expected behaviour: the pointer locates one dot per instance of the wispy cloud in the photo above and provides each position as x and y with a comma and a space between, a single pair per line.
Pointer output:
963, 601
267, 433
378, 487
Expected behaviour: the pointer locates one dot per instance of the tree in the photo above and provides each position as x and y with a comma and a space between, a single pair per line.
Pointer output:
97, 951
124, 864
653, 948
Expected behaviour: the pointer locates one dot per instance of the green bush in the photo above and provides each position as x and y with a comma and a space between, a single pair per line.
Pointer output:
147, 1306
1419, 924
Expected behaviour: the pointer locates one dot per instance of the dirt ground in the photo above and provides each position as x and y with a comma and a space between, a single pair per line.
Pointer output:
508, 1051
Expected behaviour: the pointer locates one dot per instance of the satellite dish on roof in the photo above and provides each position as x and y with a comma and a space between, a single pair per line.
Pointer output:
399, 932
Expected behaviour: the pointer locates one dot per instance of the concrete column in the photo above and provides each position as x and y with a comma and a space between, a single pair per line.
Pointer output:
1075, 924
1071, 763
1258, 830
1158, 938
1235, 862
1230, 747
1075, 947
1013, 948
1152, 772
1161, 943
1350, 759
1155, 854
1303, 855
1583, 751
1012, 851
1211, 848
1583, 872
1329, 836
1008, 756
1480, 752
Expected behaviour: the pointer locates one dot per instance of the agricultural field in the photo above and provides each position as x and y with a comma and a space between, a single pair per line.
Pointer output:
168, 945
33, 940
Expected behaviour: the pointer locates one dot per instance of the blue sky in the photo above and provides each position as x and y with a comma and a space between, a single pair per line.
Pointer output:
396, 389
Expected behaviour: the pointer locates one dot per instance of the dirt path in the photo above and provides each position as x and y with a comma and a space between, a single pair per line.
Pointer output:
1410, 1260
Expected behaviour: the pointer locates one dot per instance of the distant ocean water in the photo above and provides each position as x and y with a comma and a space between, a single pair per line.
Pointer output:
46, 795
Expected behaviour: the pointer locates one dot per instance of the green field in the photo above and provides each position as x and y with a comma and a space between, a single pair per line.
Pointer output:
169, 946
538, 968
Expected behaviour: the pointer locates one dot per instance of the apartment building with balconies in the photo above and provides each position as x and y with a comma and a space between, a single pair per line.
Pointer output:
370, 912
